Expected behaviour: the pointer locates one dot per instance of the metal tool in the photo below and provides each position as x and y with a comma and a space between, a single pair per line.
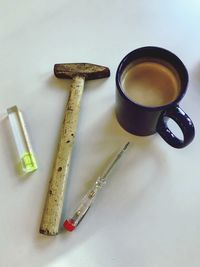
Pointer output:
89, 198
55, 197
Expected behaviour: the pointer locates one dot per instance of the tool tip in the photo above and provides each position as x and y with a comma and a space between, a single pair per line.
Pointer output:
69, 226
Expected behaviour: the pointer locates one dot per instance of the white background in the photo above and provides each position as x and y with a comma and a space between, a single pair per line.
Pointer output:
148, 215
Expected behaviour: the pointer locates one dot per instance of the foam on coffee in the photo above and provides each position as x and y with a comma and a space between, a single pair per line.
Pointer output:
150, 84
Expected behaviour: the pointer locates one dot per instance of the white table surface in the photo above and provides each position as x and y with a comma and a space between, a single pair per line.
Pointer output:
148, 215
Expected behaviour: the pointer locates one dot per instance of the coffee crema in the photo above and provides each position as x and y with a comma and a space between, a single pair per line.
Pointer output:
150, 84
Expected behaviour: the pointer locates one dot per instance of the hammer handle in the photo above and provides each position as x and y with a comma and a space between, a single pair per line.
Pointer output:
55, 196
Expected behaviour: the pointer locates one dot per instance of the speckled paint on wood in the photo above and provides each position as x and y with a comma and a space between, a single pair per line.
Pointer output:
55, 197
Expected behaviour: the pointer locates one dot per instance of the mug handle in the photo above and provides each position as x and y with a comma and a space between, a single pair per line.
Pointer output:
184, 122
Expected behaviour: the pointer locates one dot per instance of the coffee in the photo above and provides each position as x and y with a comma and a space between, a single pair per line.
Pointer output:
150, 84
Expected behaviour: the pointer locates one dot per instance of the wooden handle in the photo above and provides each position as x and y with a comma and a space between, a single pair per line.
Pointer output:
55, 196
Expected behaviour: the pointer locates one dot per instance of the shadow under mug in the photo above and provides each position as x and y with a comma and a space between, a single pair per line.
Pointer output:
144, 120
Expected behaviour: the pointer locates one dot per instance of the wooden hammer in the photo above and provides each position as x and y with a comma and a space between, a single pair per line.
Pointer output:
55, 197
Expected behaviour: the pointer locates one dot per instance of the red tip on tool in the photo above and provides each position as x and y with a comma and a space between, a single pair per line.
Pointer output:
69, 226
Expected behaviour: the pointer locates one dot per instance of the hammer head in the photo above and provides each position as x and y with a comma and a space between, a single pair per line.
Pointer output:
86, 70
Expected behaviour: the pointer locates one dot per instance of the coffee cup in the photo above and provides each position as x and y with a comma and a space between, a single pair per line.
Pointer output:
150, 83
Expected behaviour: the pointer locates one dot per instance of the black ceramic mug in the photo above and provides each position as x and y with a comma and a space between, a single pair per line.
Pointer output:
150, 83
